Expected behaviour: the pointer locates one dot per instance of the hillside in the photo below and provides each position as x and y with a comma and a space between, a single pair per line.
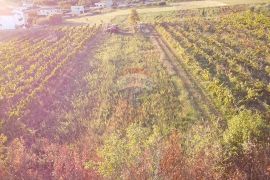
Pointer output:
179, 92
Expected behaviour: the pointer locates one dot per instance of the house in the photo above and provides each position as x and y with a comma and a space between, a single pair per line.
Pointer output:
7, 22
104, 4
48, 11
109, 3
77, 10
19, 16
27, 5
12, 19
100, 5
122, 5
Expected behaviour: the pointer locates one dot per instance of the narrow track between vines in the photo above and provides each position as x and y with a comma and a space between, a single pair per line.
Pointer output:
199, 100
60, 89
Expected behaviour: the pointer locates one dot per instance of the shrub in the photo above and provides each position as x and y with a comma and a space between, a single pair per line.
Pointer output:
242, 129
55, 19
134, 17
163, 3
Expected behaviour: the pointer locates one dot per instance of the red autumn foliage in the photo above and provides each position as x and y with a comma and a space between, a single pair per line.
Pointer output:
172, 164
45, 160
255, 164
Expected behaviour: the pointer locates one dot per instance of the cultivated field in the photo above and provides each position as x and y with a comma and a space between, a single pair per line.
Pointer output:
184, 96
222, 54
30, 61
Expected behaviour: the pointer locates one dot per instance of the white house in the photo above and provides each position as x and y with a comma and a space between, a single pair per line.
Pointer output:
19, 17
7, 23
100, 5
12, 20
27, 5
48, 11
104, 4
77, 10
109, 3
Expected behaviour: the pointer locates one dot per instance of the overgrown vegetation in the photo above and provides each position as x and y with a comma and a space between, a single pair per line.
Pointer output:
229, 57
77, 103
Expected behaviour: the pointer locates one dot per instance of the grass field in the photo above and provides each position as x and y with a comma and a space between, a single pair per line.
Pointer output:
107, 17
235, 2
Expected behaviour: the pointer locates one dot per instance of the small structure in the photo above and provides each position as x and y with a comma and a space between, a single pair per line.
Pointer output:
77, 10
109, 3
104, 4
112, 29
7, 22
48, 11
100, 5
27, 5
12, 19
122, 5
19, 16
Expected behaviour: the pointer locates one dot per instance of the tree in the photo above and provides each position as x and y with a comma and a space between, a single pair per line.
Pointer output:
55, 19
32, 18
134, 18
65, 4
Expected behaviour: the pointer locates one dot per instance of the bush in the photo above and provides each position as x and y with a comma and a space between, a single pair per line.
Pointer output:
163, 3
55, 19
242, 130
51, 20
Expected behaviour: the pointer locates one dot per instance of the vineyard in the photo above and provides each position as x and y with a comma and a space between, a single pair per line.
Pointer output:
27, 64
231, 63
184, 95
229, 58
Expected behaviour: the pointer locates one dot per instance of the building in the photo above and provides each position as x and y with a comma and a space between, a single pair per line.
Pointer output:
48, 11
7, 22
109, 3
12, 20
100, 5
27, 5
77, 10
19, 16
122, 5
104, 4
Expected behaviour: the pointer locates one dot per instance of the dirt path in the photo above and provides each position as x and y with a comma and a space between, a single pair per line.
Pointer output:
58, 93
198, 99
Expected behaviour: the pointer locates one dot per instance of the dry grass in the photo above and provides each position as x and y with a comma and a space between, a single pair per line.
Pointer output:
107, 17
235, 2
